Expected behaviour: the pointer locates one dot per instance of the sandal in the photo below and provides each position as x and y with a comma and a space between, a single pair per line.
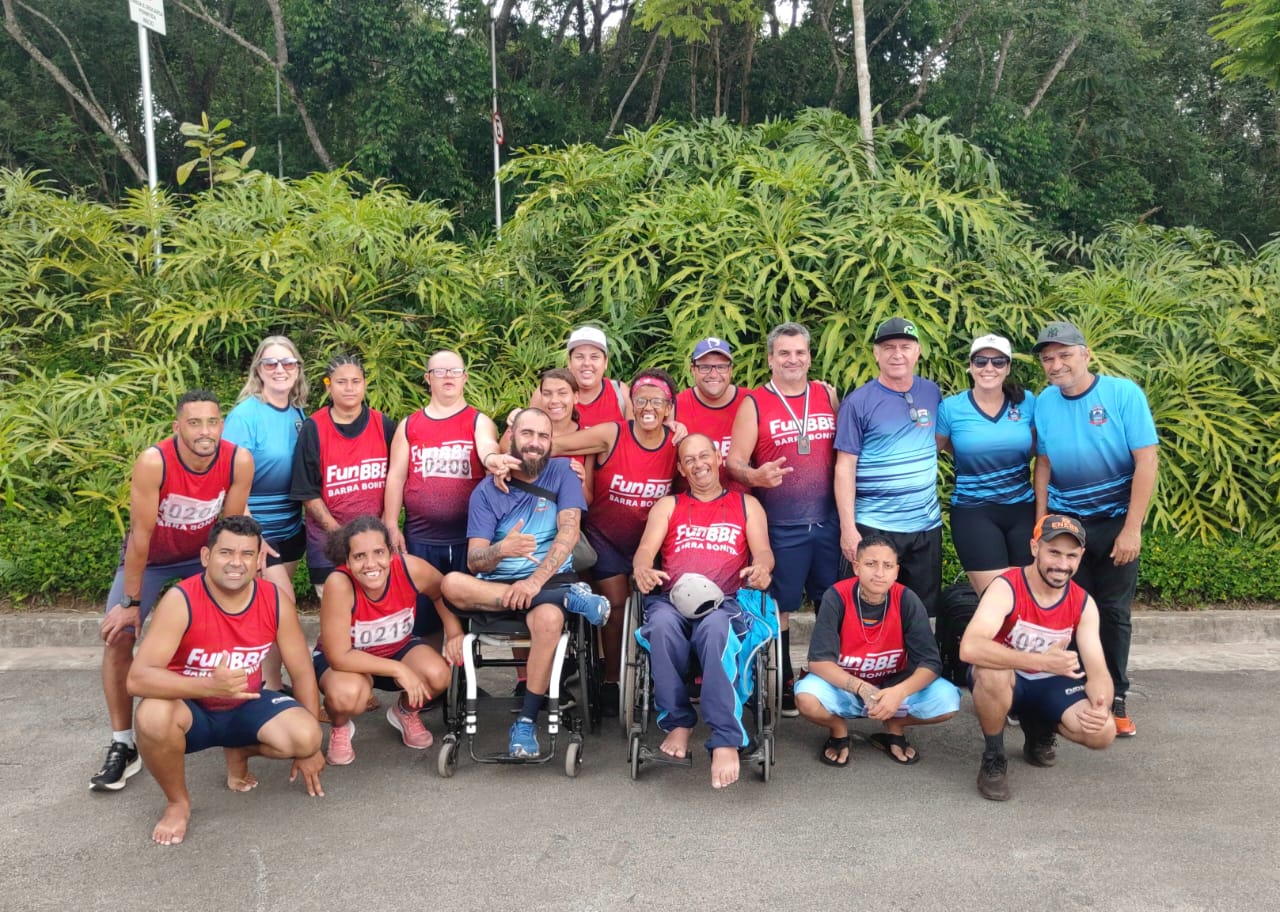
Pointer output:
885, 742
835, 745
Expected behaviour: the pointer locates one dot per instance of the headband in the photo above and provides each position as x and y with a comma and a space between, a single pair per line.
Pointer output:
651, 380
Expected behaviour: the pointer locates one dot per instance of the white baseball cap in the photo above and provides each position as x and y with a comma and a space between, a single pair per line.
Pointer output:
588, 335
999, 343
695, 596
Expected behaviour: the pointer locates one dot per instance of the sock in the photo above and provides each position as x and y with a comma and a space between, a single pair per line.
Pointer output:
533, 704
124, 737
995, 743
787, 673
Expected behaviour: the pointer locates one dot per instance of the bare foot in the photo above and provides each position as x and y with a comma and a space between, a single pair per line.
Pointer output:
724, 767
172, 826
239, 779
676, 744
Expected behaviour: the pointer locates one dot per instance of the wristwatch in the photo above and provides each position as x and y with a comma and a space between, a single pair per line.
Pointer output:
129, 601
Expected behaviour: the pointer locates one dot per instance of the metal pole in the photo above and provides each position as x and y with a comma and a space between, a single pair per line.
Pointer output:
497, 184
144, 57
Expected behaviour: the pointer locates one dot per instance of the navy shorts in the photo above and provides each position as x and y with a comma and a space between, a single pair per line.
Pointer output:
154, 578
445, 558
609, 560
236, 727
289, 549
1046, 699
380, 682
806, 561
993, 536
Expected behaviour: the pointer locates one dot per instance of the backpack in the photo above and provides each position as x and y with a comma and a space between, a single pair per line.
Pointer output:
955, 608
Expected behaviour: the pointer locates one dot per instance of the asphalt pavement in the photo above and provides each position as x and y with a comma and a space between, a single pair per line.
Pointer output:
1182, 817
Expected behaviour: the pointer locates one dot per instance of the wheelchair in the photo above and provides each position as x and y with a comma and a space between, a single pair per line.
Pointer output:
636, 694
576, 650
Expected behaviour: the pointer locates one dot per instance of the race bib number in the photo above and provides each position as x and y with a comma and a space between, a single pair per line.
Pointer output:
1026, 637
178, 511
384, 631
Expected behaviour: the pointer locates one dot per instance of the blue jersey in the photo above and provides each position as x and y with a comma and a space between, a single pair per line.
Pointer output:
897, 478
271, 435
993, 454
492, 514
1090, 440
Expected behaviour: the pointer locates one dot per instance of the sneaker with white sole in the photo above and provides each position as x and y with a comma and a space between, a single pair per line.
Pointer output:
409, 724
524, 738
581, 600
121, 763
340, 751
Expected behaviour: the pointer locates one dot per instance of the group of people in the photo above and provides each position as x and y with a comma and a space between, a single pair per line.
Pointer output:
691, 495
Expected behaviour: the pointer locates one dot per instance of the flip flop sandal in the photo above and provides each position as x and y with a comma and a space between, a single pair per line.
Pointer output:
885, 742
835, 745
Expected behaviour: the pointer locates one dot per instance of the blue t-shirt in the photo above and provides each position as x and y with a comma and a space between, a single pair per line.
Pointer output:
993, 455
897, 479
1090, 440
492, 514
270, 434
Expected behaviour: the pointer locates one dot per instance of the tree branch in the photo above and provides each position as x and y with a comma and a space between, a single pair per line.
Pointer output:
926, 66
1050, 76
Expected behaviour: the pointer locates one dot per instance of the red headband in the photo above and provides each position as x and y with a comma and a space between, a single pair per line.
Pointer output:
651, 380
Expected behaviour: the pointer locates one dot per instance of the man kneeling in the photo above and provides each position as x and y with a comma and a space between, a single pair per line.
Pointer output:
872, 656
719, 539
198, 672
1017, 643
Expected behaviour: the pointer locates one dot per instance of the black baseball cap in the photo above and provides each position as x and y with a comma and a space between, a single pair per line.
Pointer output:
1051, 525
896, 328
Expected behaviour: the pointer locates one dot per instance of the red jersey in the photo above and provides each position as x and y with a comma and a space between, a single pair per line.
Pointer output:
626, 484
246, 637
381, 626
606, 407
444, 469
716, 421
872, 652
707, 537
1030, 627
806, 496
353, 471
190, 502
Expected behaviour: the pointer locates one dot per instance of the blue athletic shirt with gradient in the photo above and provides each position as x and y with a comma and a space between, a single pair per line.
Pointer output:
270, 434
493, 514
992, 454
897, 477
1090, 440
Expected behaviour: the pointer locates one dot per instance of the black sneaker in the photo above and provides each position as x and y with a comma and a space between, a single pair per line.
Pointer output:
1038, 741
121, 763
517, 696
993, 779
789, 699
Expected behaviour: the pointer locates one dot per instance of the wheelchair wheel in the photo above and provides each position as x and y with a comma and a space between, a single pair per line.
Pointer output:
633, 756
447, 758
766, 759
573, 758
631, 661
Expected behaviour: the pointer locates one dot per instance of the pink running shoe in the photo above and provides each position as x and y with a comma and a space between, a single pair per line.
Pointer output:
340, 752
409, 724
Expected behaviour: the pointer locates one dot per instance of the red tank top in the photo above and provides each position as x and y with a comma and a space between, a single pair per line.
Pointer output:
382, 626
190, 503
873, 652
1029, 627
716, 421
443, 471
355, 469
707, 537
246, 637
805, 495
626, 484
605, 408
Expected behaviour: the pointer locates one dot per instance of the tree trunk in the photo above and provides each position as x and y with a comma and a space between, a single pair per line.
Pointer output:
823, 12
693, 82
613, 62
635, 80
926, 66
715, 66
1000, 60
744, 106
864, 81
1050, 76
889, 26
502, 22
655, 96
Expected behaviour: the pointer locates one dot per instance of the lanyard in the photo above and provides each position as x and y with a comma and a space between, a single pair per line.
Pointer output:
802, 444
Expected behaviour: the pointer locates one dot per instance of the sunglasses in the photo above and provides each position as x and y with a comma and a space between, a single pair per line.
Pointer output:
656, 402
447, 371
289, 364
993, 360
912, 411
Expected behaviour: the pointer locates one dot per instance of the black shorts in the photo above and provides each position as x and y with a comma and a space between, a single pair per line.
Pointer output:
236, 727
289, 549
993, 536
380, 682
1046, 699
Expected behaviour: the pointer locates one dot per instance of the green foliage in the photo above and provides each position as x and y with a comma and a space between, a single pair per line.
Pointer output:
213, 152
1182, 571
1252, 30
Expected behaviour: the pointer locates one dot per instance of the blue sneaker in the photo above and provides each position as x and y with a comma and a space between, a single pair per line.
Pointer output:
524, 738
581, 600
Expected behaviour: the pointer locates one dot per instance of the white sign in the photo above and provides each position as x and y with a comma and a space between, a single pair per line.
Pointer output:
148, 13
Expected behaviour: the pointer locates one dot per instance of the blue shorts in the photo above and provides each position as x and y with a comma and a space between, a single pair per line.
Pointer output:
609, 560
154, 578
940, 698
446, 559
237, 727
380, 682
806, 559
1047, 699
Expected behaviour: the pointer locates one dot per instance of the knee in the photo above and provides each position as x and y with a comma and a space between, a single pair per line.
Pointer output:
450, 586
305, 737
544, 621
810, 706
346, 694
1100, 739
156, 719
438, 678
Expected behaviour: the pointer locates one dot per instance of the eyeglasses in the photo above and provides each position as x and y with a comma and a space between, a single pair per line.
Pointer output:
447, 371
657, 402
993, 360
289, 364
912, 411
713, 368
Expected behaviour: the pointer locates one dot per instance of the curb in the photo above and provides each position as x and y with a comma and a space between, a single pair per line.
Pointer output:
1150, 628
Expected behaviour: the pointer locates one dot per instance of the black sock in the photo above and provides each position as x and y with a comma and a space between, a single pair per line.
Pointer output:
787, 673
533, 704
995, 743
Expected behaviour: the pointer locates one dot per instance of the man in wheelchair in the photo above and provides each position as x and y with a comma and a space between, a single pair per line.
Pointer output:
711, 541
519, 546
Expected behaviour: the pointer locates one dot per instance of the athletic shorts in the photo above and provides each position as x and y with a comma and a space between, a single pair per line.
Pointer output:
805, 561
446, 559
237, 727
289, 549
993, 536
609, 560
154, 578
380, 682
1047, 699
940, 698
